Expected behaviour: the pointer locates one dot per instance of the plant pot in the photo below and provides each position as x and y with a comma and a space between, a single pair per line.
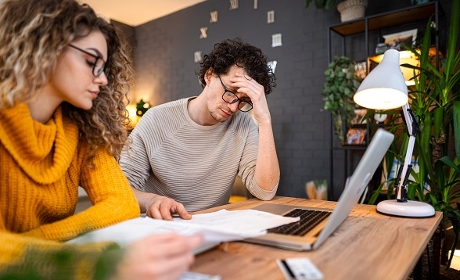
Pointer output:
351, 9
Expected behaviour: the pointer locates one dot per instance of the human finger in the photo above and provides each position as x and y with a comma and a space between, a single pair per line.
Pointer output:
155, 211
166, 208
182, 212
249, 86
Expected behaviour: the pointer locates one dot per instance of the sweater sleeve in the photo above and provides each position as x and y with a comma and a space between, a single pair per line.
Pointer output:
109, 191
145, 137
22, 257
248, 166
134, 161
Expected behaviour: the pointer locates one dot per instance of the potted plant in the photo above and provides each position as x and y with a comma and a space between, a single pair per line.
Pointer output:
348, 9
340, 85
435, 100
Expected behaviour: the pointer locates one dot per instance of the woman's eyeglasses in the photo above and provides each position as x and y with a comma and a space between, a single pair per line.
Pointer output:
98, 65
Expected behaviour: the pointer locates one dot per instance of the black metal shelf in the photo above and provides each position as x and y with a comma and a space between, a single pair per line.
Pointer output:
395, 18
389, 19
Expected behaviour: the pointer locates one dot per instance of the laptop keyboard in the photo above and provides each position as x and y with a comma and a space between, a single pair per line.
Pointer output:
308, 220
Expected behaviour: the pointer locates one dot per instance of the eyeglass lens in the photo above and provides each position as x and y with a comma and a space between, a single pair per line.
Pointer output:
231, 98
98, 65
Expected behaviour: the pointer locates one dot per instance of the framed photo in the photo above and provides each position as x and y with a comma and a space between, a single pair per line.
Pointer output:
359, 117
361, 70
396, 40
356, 136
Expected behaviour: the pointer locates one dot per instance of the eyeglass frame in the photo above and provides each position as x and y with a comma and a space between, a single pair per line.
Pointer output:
236, 97
97, 57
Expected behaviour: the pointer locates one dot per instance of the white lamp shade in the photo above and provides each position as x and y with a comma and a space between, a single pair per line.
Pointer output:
384, 87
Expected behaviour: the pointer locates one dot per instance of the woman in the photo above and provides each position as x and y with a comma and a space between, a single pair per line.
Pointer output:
64, 76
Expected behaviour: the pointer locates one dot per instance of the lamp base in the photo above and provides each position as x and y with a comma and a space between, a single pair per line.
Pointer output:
411, 208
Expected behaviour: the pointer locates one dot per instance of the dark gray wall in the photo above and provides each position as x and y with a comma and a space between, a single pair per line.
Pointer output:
165, 69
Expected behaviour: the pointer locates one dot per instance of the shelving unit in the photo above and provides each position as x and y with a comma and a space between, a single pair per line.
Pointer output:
375, 23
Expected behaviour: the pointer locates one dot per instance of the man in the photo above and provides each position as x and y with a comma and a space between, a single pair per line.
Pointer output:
186, 153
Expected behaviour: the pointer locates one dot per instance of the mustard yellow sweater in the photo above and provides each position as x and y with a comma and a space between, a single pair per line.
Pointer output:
41, 167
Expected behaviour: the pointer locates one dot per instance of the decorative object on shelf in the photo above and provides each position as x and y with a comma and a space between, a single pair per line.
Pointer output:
359, 117
381, 48
340, 85
348, 9
142, 107
135, 112
361, 69
316, 189
356, 136
380, 117
351, 9
435, 100
397, 40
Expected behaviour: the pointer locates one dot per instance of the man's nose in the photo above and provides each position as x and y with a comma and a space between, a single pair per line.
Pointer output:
234, 106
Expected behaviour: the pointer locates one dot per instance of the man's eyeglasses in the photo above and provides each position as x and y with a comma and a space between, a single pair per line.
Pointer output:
98, 65
230, 97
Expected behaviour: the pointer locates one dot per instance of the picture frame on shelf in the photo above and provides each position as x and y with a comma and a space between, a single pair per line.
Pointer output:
359, 117
361, 70
395, 40
356, 136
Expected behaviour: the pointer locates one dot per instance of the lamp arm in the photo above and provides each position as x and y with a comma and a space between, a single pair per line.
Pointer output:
413, 129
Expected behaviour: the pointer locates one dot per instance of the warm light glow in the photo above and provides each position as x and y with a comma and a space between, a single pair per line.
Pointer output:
455, 260
384, 87
405, 57
132, 113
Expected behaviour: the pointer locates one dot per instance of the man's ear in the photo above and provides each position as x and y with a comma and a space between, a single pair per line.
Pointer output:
208, 76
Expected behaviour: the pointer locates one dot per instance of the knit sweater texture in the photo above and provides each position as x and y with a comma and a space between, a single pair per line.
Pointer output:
41, 167
196, 165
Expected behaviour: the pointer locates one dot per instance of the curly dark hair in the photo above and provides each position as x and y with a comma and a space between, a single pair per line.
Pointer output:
231, 52
32, 36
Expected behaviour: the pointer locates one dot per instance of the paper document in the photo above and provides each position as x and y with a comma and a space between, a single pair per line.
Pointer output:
215, 227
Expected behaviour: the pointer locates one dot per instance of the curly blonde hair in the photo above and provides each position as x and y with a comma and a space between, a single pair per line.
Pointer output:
33, 34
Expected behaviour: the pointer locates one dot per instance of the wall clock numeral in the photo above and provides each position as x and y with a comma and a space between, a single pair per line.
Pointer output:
203, 31
276, 40
272, 64
233, 4
213, 16
256, 4
270, 16
197, 56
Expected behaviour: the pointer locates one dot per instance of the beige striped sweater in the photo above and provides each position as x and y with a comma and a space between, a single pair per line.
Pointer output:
195, 165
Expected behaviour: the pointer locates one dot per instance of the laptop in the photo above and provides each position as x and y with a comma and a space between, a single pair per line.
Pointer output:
304, 236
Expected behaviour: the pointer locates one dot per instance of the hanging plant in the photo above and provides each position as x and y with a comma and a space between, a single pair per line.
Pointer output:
340, 85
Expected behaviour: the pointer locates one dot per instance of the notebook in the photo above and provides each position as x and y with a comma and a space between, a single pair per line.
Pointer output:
320, 230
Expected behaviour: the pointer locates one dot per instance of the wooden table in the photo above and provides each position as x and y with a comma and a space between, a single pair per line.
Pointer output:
367, 245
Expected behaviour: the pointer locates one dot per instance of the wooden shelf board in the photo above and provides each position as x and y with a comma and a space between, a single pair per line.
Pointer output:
399, 17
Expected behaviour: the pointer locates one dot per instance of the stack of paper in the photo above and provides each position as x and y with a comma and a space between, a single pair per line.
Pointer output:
215, 227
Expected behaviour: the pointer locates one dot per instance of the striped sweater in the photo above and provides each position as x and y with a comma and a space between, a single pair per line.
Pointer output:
41, 167
196, 165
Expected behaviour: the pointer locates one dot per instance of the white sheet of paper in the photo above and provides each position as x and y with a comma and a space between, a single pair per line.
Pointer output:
238, 221
215, 227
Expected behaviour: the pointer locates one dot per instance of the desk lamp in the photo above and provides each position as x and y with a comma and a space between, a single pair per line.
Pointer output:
385, 88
